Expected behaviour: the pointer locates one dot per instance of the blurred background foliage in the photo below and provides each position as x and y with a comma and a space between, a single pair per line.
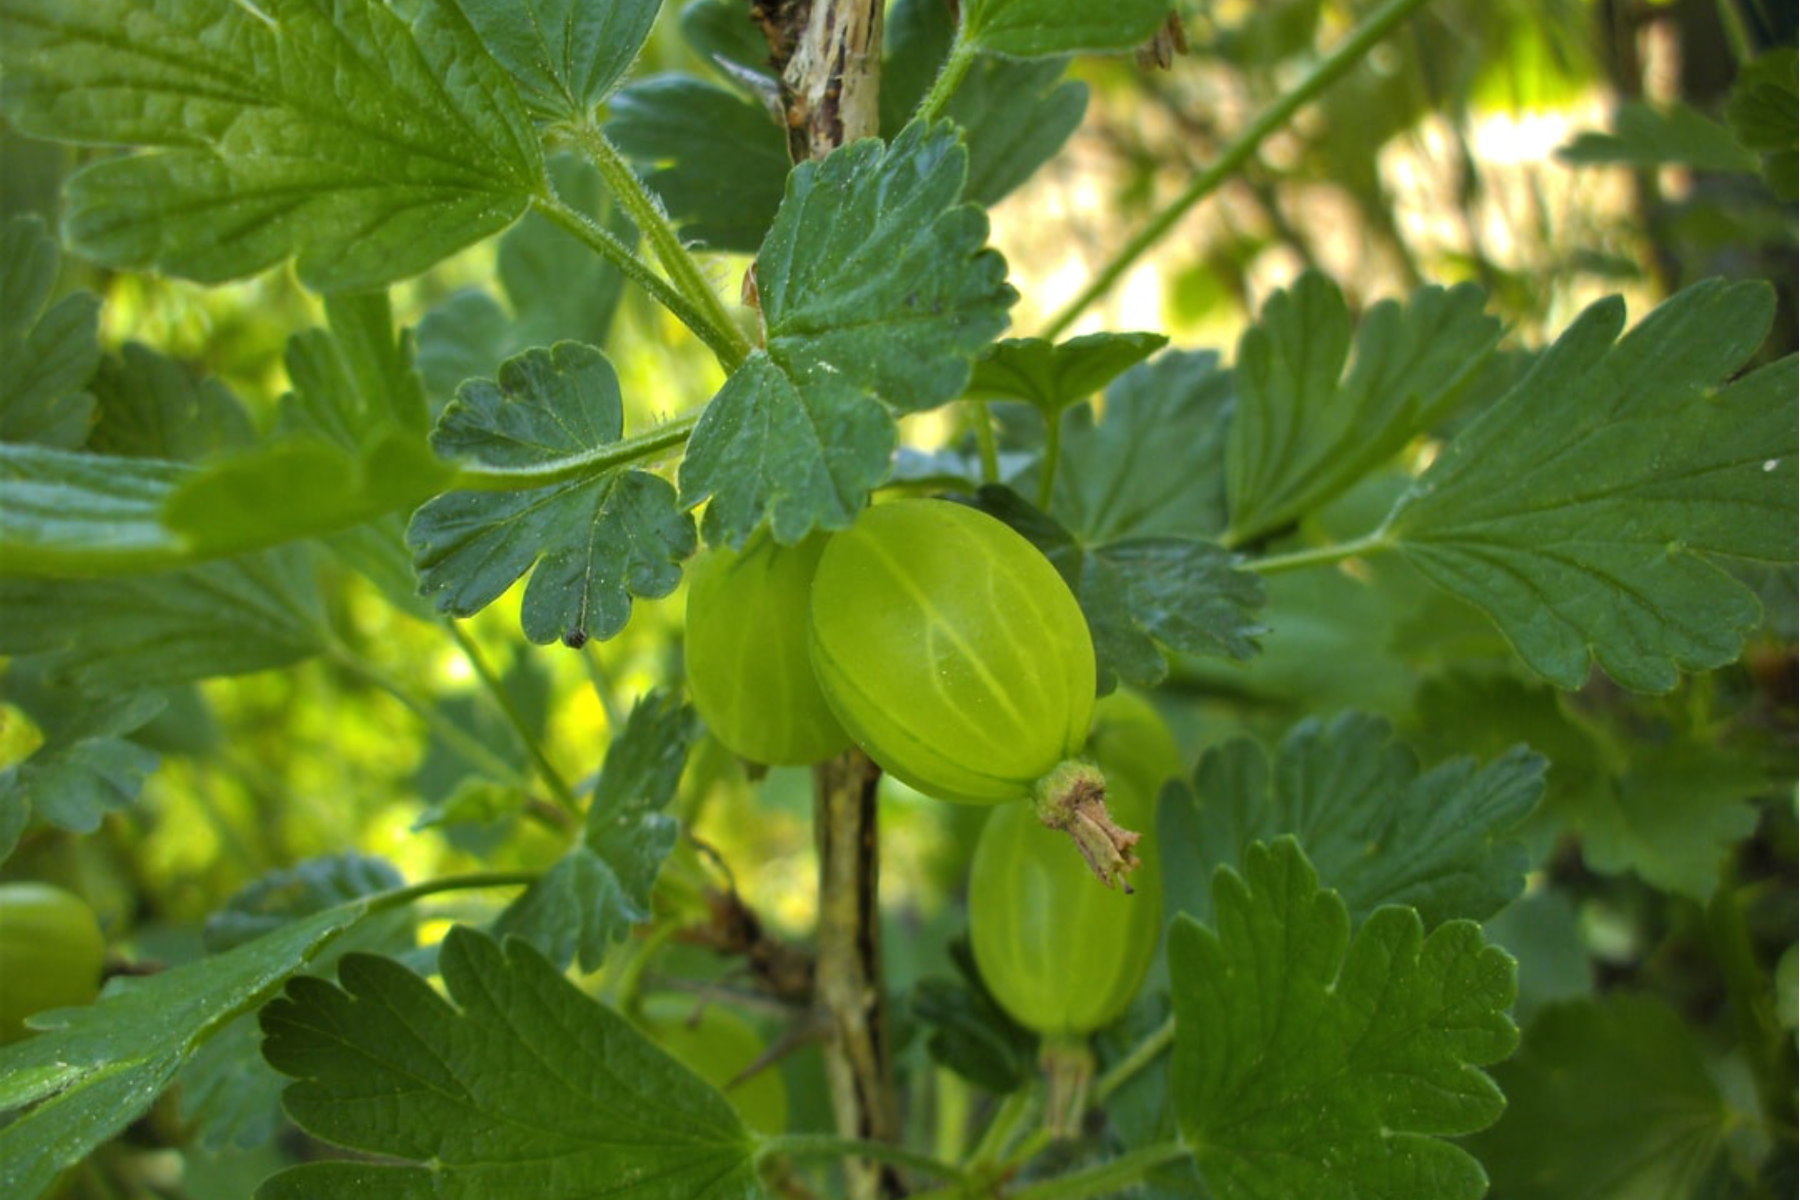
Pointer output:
1537, 147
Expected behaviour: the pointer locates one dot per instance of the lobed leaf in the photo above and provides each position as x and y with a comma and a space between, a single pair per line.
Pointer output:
1054, 376
1305, 428
224, 618
1443, 842
97, 1069
1607, 1100
1644, 136
600, 889
364, 143
717, 161
566, 56
1153, 465
351, 445
1583, 510
1145, 597
515, 1084
874, 286
84, 514
1036, 28
227, 1091
50, 351
150, 406
84, 769
599, 535
1761, 113
1310, 1063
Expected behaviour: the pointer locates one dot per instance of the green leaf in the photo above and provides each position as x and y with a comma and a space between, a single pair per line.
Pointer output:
366, 147
518, 1084
84, 514
50, 352
151, 406
1305, 430
798, 454
1308, 1063
1015, 115
1644, 136
874, 281
1581, 509
83, 770
1673, 817
717, 161
98, 1069
599, 535
565, 55
1606, 1100
1761, 112
353, 445
969, 1032
1052, 377
224, 618
230, 1094
1145, 597
1154, 464
601, 888
1036, 28
1381, 833
555, 290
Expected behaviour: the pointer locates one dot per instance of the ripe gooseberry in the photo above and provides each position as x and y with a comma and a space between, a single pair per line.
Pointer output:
747, 658
957, 658
51, 953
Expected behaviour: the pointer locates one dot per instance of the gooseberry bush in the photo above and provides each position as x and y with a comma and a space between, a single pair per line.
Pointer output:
1367, 752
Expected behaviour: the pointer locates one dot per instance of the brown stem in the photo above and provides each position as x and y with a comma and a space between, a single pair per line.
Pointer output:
828, 54
848, 982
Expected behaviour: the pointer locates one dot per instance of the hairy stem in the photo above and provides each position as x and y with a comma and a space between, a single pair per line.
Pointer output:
955, 70
723, 338
1345, 55
648, 216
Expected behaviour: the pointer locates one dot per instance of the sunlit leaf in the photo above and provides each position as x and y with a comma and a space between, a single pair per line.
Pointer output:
565, 55
364, 145
598, 537
83, 770
601, 888
874, 286
98, 1069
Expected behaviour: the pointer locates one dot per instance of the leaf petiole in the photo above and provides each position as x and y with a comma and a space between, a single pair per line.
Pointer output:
1321, 556
949, 78
715, 328
596, 461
